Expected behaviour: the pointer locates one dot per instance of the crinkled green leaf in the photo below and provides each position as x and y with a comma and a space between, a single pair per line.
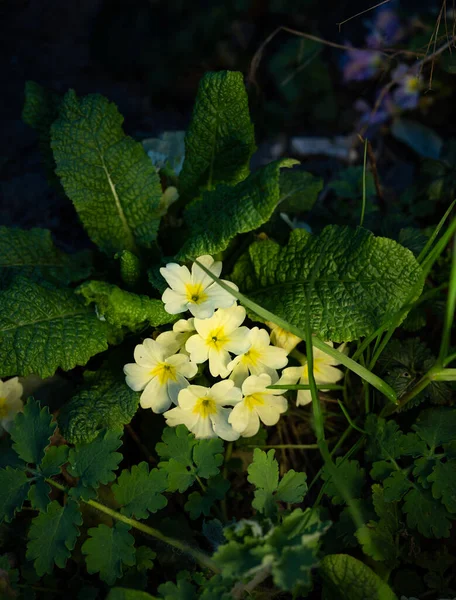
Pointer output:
105, 401
436, 426
225, 212
346, 578
33, 255
53, 535
200, 504
107, 549
108, 176
220, 139
14, 487
292, 487
263, 472
354, 281
130, 267
298, 190
94, 463
426, 515
124, 309
443, 480
351, 474
41, 109
139, 491
42, 329
31, 431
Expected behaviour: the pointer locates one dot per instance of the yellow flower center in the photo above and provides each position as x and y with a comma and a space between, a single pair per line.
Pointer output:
413, 84
195, 293
217, 338
205, 407
251, 358
3, 408
254, 400
164, 372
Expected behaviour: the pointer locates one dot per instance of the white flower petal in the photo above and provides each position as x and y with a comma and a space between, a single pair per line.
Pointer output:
273, 357
177, 416
171, 340
239, 372
175, 302
150, 352
241, 416
11, 389
203, 310
137, 377
199, 276
270, 411
155, 396
239, 341
184, 325
290, 376
221, 426
225, 393
304, 397
324, 373
220, 297
197, 349
232, 318
182, 365
255, 384
218, 362
175, 387
202, 428
188, 397
177, 277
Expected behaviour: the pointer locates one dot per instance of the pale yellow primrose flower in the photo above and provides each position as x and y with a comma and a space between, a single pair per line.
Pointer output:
282, 338
259, 358
202, 411
177, 338
258, 404
10, 402
195, 291
324, 372
217, 337
159, 373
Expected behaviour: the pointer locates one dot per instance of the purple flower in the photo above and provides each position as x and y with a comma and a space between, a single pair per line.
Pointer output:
385, 29
359, 65
407, 93
381, 115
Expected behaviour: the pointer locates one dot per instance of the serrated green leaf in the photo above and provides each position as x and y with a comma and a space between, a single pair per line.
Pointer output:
42, 329
107, 550
292, 487
144, 558
177, 443
53, 535
139, 492
14, 487
426, 515
41, 108
105, 401
33, 255
119, 593
39, 495
201, 504
436, 426
31, 431
222, 214
443, 480
220, 139
346, 578
351, 474
124, 309
95, 463
180, 478
263, 472
108, 176
396, 486
208, 456
386, 441
55, 457
182, 590
354, 281
298, 190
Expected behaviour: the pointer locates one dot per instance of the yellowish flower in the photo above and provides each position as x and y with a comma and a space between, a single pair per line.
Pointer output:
217, 337
324, 372
260, 358
202, 410
10, 402
177, 338
258, 404
159, 373
282, 338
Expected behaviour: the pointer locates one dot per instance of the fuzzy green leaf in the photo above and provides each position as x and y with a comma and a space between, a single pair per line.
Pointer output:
139, 492
108, 176
31, 431
292, 487
105, 401
33, 255
42, 329
124, 309
227, 211
220, 140
201, 504
351, 474
53, 535
95, 463
426, 515
298, 191
436, 426
14, 487
346, 578
108, 549
443, 480
263, 472
352, 280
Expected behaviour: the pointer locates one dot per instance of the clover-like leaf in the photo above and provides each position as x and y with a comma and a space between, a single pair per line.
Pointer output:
292, 487
263, 472
139, 491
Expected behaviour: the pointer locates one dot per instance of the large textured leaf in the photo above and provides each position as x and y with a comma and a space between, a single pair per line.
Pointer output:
32, 254
53, 535
227, 211
347, 578
42, 329
108, 549
31, 432
14, 487
350, 280
220, 139
124, 309
108, 176
106, 401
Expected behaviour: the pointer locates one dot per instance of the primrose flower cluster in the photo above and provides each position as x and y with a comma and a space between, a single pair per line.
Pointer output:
243, 358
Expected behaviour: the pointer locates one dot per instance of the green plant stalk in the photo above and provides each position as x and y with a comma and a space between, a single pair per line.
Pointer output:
305, 386
364, 373
439, 248
449, 359
450, 308
445, 375
347, 416
422, 256
200, 557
